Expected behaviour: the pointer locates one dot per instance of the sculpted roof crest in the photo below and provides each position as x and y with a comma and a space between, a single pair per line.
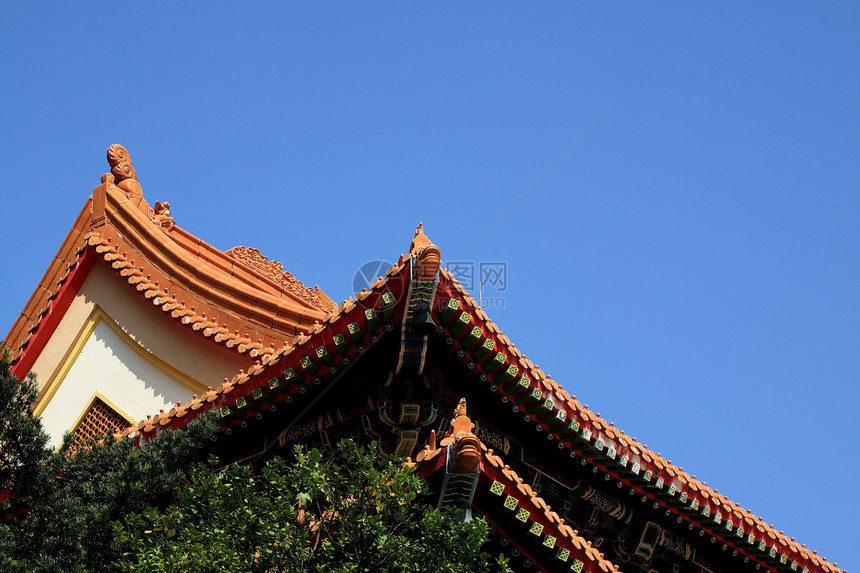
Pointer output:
275, 271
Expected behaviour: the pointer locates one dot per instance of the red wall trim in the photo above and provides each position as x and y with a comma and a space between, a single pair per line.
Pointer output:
56, 310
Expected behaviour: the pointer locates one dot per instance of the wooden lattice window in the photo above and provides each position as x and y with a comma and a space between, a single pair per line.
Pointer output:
99, 420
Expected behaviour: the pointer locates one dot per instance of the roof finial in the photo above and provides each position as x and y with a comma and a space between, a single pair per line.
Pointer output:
426, 255
124, 175
465, 446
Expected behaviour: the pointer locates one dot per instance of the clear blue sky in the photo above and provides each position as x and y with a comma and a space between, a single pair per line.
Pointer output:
674, 189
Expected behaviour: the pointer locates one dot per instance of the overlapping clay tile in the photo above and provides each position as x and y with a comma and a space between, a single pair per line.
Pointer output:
167, 268
575, 408
570, 535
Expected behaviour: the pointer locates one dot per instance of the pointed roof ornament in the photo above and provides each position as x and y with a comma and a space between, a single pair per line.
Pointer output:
427, 257
124, 175
465, 446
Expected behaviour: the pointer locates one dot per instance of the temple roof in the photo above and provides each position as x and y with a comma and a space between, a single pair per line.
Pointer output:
237, 298
507, 371
506, 498
240, 299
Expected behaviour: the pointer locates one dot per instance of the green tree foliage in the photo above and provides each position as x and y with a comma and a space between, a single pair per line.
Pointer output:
349, 513
111, 506
72, 500
23, 442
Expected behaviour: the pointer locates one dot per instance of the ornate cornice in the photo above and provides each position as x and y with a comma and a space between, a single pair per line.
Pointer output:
274, 271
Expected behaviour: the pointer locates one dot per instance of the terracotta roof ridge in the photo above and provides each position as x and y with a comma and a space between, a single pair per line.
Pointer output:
494, 468
572, 535
574, 408
274, 272
119, 202
177, 308
178, 259
267, 360
55, 275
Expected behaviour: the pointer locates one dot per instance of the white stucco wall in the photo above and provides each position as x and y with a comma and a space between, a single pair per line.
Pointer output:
123, 366
108, 364
153, 329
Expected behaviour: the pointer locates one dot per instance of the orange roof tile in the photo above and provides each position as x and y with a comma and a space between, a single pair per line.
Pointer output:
492, 466
237, 298
231, 389
576, 411
190, 280
527, 493
40, 301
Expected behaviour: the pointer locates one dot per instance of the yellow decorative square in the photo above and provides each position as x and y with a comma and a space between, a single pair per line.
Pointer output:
576, 566
536, 529
522, 515
563, 554
548, 541
498, 488
511, 503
